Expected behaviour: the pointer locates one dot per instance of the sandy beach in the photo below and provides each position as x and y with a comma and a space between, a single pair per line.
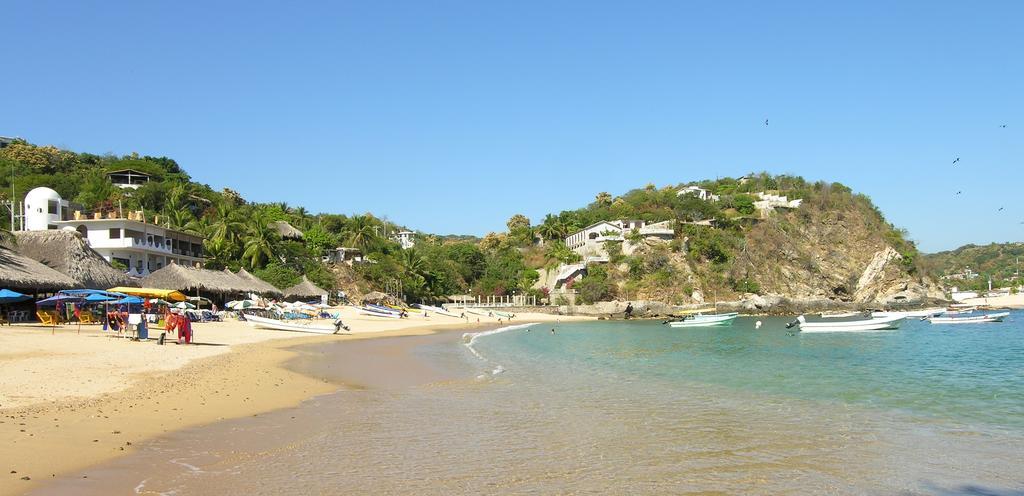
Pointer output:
1015, 301
70, 399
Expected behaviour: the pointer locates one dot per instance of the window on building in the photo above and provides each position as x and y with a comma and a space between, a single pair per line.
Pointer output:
115, 233
53, 207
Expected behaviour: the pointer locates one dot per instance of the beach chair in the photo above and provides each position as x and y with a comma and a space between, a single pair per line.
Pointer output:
87, 318
46, 318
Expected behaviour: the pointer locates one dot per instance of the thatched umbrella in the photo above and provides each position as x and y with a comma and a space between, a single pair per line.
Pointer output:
286, 230
23, 274
304, 289
377, 297
264, 287
193, 280
68, 253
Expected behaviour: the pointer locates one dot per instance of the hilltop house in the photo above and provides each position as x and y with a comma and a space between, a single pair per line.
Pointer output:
405, 238
769, 202
699, 192
128, 178
589, 241
131, 241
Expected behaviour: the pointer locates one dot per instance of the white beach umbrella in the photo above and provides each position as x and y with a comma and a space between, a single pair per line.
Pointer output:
184, 305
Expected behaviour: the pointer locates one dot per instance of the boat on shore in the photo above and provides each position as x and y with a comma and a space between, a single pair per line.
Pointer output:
374, 312
438, 310
285, 325
974, 319
910, 314
861, 325
705, 320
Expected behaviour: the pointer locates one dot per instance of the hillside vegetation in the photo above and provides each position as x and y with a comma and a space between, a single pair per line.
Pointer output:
836, 245
997, 260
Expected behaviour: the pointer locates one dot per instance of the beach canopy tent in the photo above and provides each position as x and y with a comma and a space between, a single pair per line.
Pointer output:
66, 252
304, 289
128, 300
161, 294
99, 298
8, 296
59, 298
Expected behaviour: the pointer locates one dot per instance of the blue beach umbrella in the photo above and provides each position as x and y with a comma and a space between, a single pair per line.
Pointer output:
54, 300
8, 296
99, 298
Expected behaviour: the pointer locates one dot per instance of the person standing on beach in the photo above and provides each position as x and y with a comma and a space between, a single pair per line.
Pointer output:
629, 310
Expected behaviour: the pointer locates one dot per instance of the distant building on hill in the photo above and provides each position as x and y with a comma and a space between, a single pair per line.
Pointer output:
769, 202
128, 178
964, 275
343, 255
589, 241
128, 240
405, 238
5, 140
699, 192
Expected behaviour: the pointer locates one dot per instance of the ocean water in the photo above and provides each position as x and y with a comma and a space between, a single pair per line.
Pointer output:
636, 408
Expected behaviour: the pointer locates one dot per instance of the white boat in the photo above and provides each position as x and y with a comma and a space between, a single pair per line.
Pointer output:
976, 319
911, 314
377, 313
840, 315
296, 326
437, 310
871, 324
959, 310
702, 320
480, 312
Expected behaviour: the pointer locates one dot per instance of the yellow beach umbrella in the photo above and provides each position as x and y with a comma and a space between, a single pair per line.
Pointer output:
164, 294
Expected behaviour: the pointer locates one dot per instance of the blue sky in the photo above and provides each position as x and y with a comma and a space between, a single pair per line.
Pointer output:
451, 116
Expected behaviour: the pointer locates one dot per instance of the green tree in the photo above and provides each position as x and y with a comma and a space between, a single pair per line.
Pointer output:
258, 242
96, 189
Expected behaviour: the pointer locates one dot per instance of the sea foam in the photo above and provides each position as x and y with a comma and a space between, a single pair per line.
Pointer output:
469, 339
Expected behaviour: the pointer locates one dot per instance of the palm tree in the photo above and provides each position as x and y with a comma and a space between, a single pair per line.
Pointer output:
552, 228
258, 240
361, 233
180, 218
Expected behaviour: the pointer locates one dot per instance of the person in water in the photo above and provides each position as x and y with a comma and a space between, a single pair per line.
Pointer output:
552, 330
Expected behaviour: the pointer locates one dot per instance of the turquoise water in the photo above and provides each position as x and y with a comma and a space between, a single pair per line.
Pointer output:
971, 374
628, 408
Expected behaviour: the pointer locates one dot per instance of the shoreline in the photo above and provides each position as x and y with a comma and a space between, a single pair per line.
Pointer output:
236, 381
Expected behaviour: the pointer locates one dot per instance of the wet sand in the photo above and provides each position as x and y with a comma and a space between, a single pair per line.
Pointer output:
65, 429
389, 361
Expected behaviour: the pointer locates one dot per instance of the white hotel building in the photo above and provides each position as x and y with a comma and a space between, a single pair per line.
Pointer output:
140, 246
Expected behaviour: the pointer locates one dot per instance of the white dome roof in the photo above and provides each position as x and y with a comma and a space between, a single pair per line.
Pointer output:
40, 195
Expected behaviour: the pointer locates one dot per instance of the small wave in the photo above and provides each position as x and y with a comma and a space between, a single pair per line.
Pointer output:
470, 338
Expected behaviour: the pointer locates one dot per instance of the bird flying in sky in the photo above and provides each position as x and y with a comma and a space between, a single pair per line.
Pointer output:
1000, 209
957, 160
1002, 125
766, 122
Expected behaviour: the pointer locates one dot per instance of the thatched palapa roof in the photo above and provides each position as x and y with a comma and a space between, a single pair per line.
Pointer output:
304, 289
69, 254
23, 274
266, 287
189, 279
286, 230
